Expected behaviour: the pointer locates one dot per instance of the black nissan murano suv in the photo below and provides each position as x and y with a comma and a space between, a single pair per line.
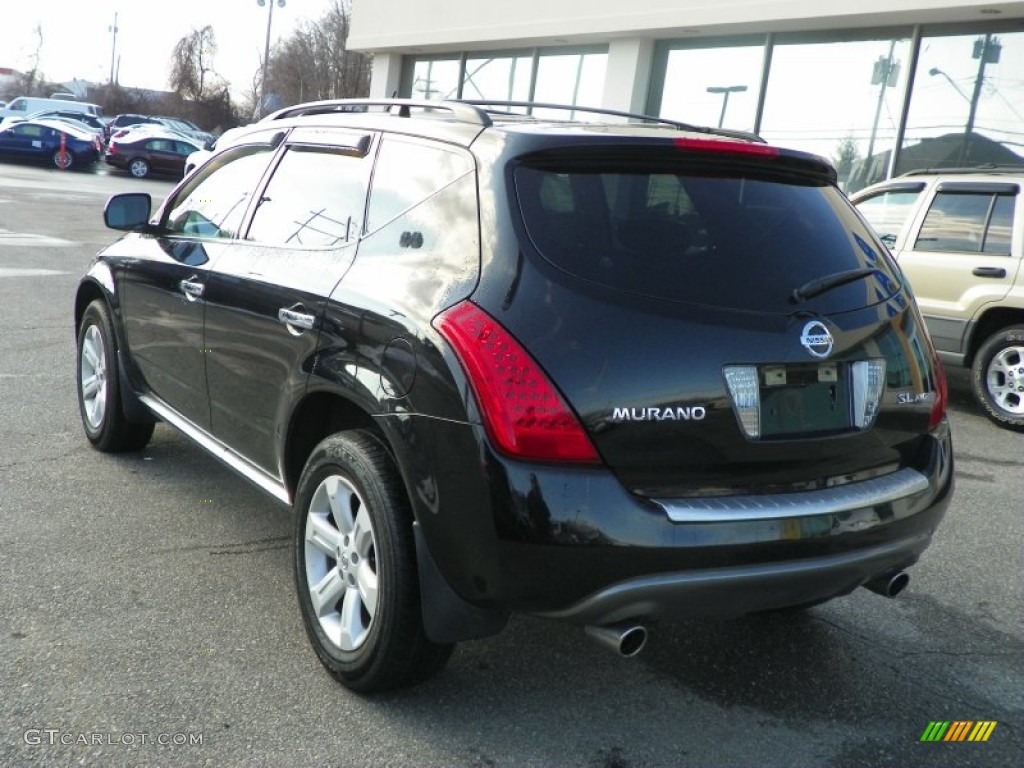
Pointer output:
609, 370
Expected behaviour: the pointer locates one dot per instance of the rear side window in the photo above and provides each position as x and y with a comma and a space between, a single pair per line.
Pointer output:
737, 239
409, 172
423, 215
968, 222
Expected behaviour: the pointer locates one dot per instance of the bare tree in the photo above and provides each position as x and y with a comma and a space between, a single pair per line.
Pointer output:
192, 64
314, 62
31, 83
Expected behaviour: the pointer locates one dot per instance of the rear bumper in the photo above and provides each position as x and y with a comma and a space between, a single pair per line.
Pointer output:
742, 589
573, 543
602, 555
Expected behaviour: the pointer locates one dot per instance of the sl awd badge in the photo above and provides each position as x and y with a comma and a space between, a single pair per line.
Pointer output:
816, 339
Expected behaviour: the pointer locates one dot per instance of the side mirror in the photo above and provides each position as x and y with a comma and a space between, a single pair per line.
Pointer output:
128, 212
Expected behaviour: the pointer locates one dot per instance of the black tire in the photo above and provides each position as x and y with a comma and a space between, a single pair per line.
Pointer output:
997, 377
354, 549
64, 161
138, 168
98, 386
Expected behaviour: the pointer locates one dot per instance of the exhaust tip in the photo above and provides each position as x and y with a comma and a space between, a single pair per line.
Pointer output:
889, 585
898, 583
633, 641
626, 639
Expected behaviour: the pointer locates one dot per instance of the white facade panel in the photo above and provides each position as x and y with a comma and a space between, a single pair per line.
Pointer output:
436, 25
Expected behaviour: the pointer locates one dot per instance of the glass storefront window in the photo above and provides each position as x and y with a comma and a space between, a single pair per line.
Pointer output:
506, 78
967, 107
569, 78
841, 100
713, 86
435, 79
564, 76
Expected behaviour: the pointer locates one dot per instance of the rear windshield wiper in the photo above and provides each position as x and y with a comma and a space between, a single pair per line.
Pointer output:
820, 285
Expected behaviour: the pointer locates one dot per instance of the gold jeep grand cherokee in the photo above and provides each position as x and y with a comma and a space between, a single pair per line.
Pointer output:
958, 235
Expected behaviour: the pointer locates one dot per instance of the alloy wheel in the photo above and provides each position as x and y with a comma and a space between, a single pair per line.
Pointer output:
93, 377
1004, 379
341, 563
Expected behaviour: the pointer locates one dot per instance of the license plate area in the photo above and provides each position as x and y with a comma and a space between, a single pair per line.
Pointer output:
804, 398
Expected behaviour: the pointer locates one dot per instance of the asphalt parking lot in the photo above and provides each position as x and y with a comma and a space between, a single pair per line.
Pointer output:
147, 614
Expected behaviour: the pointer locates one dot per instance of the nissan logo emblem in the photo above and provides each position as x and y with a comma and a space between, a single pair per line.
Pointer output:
816, 339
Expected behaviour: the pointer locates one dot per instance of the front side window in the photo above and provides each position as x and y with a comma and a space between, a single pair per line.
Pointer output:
887, 212
968, 222
316, 199
214, 202
18, 105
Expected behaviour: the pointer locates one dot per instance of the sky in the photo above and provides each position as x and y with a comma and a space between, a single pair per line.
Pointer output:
77, 41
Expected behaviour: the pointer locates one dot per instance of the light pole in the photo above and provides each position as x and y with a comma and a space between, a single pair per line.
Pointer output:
987, 50
266, 50
113, 47
725, 90
884, 75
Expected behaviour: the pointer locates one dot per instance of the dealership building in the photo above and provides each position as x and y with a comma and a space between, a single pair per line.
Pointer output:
880, 86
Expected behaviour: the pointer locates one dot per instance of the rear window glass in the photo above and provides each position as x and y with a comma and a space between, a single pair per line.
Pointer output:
737, 240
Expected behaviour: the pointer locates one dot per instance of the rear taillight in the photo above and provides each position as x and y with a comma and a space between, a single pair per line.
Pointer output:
112, 148
522, 411
941, 394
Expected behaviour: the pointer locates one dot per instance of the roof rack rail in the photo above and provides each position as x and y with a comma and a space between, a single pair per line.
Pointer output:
983, 168
476, 112
461, 111
483, 103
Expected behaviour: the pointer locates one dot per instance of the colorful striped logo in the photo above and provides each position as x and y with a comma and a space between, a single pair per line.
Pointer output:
958, 730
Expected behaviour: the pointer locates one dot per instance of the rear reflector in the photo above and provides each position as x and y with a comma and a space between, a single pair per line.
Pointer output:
868, 383
745, 391
522, 411
728, 147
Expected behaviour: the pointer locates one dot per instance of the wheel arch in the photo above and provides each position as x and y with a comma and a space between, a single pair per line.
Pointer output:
98, 283
317, 416
447, 617
990, 322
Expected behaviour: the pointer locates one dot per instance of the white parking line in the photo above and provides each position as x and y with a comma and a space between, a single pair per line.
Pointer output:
26, 238
16, 272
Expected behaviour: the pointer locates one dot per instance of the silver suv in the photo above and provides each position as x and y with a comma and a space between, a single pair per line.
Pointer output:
958, 235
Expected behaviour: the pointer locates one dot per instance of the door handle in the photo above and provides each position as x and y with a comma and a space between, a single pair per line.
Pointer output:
193, 291
294, 319
989, 272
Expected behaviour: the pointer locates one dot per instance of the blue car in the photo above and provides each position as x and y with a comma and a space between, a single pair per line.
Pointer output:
41, 139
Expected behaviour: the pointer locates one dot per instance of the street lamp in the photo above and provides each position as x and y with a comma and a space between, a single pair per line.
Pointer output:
936, 71
266, 48
725, 90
